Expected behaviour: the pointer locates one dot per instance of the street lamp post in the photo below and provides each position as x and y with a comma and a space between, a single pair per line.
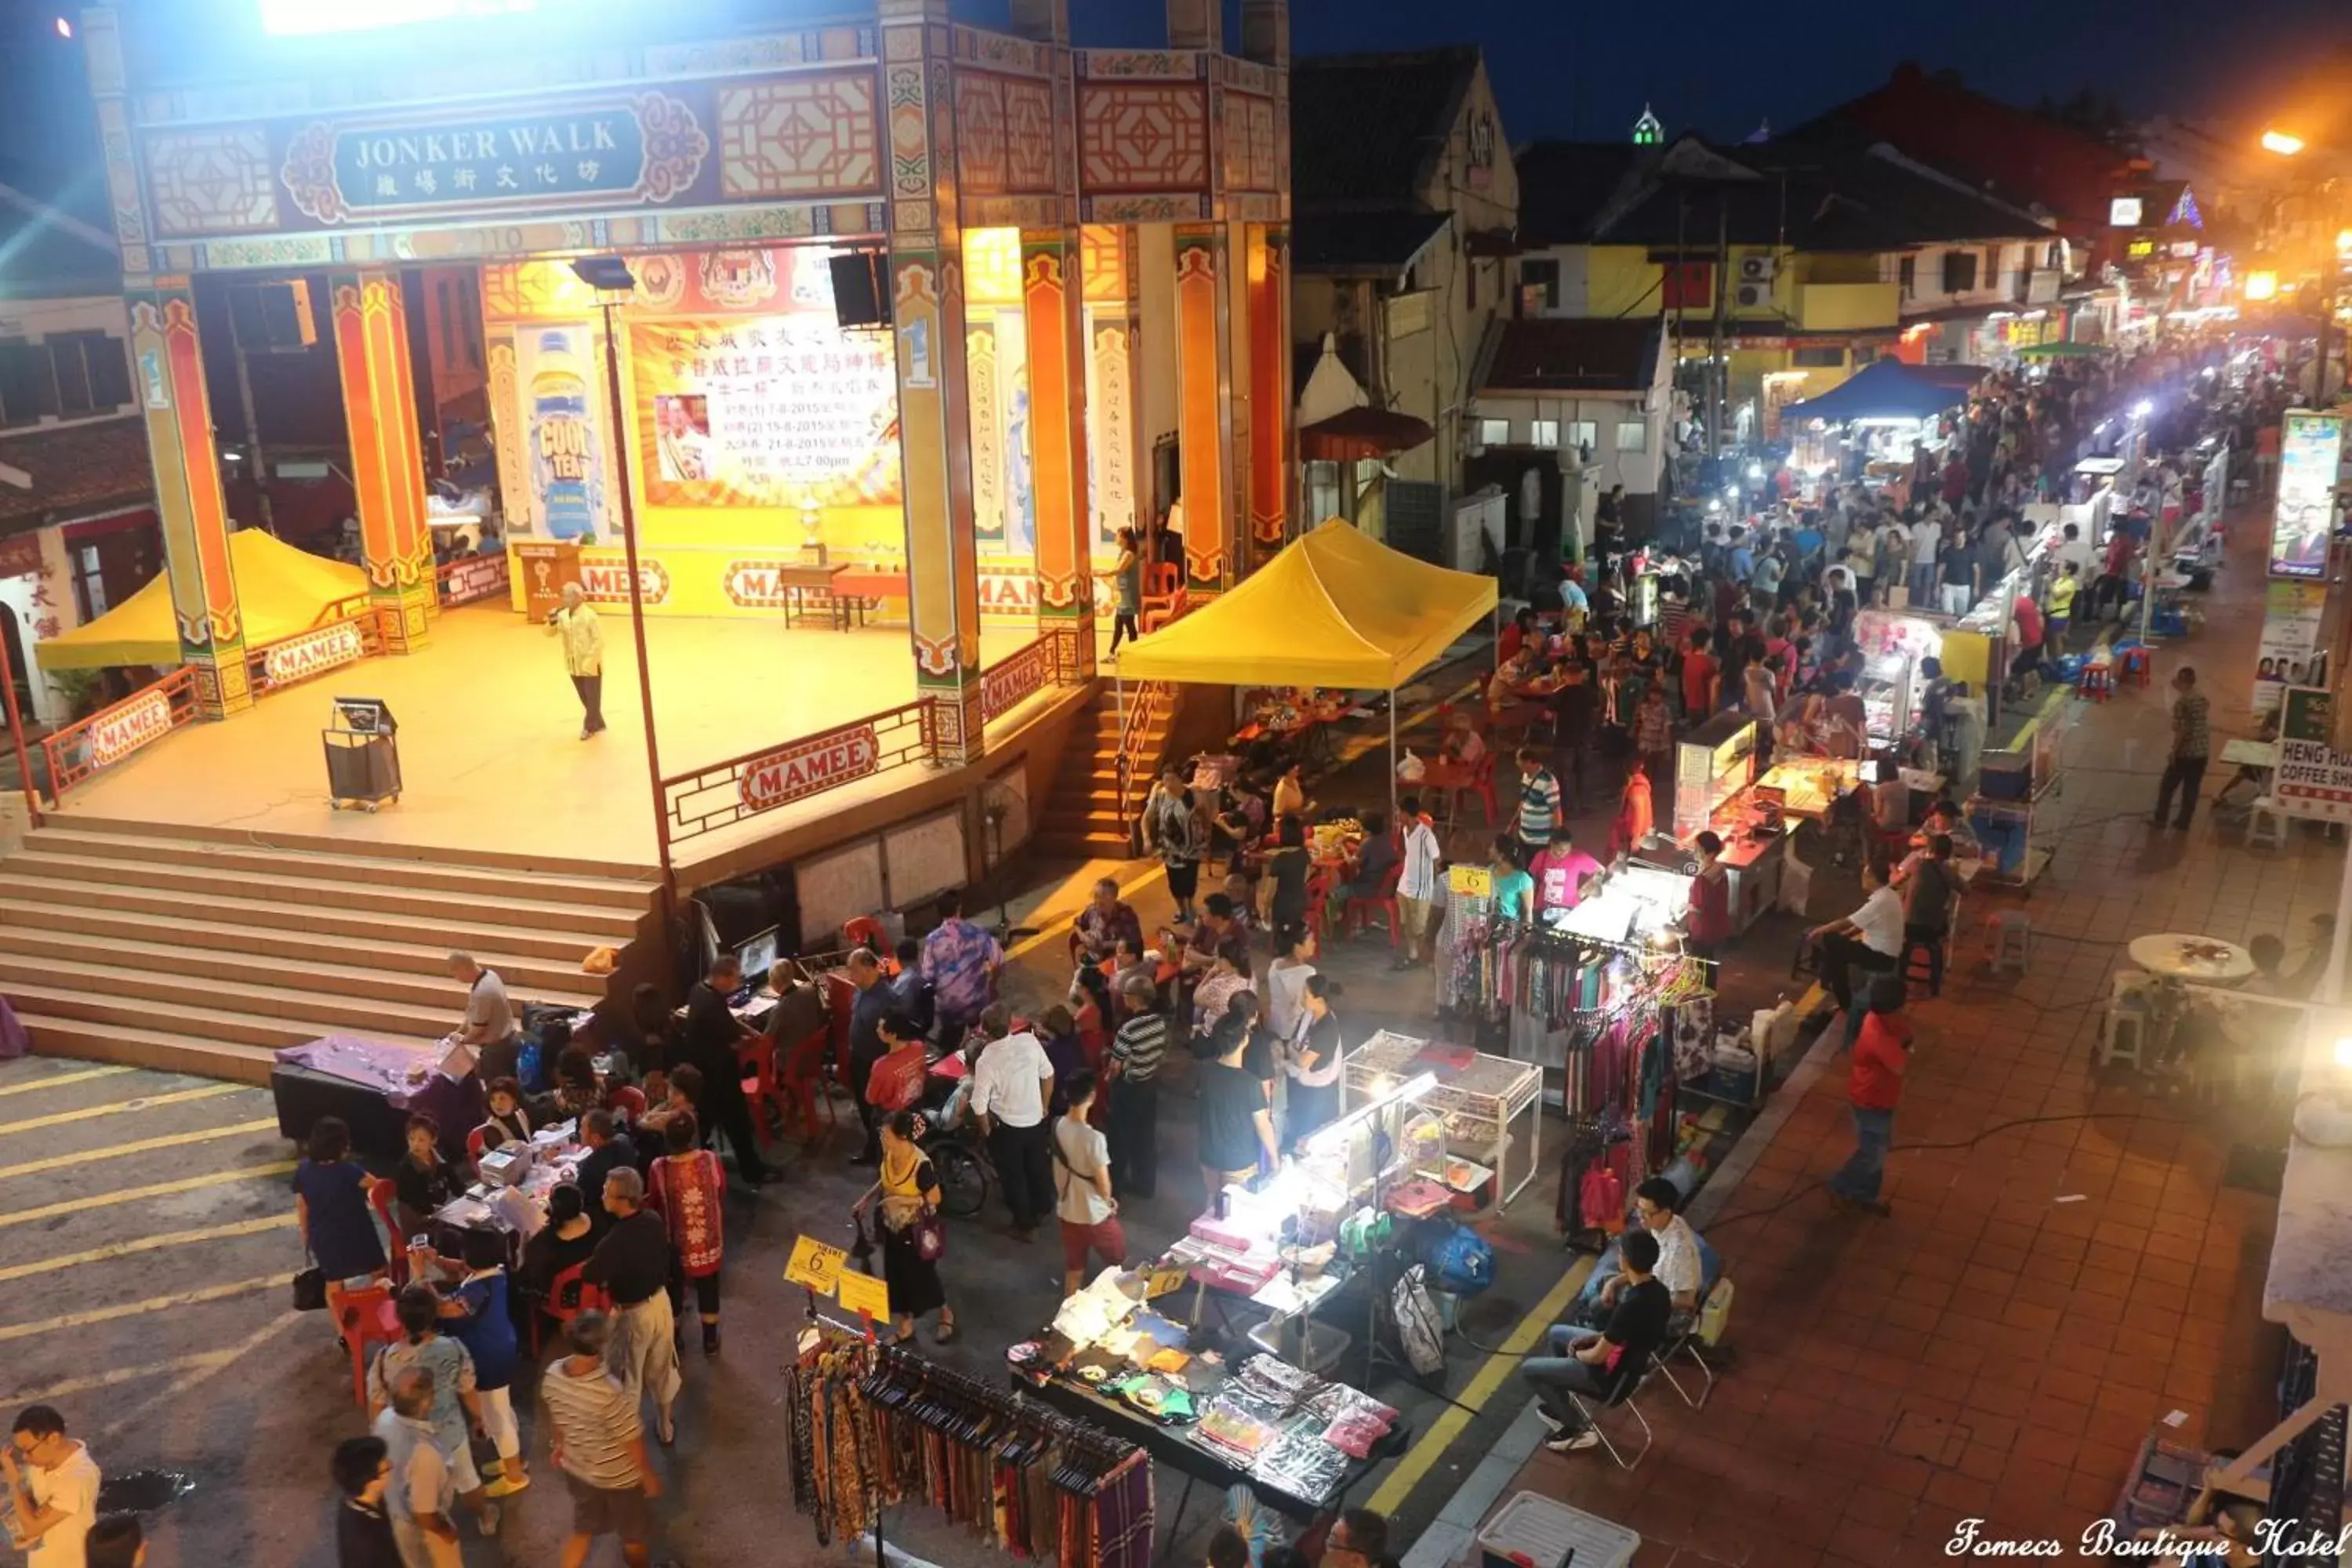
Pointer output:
611, 278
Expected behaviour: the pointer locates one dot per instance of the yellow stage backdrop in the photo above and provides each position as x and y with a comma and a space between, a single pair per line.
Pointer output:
752, 413
725, 457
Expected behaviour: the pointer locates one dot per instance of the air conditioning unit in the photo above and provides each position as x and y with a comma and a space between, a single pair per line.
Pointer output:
1756, 268
1753, 295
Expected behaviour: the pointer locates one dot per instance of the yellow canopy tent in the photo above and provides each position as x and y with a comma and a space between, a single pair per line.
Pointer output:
1336, 608
280, 591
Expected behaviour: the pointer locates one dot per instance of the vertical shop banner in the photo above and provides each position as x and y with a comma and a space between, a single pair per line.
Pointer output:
1110, 455
783, 410
987, 432
2313, 779
1018, 535
2309, 449
561, 380
2291, 653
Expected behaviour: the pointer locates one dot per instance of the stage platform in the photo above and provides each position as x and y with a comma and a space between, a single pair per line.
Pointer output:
490, 753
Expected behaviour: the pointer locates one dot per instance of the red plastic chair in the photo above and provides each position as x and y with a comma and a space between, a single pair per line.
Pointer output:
626, 1100
840, 997
1359, 910
2133, 669
867, 931
365, 1319
2097, 683
567, 1297
1163, 596
755, 1064
381, 1193
802, 1087
475, 1143
1483, 784
1318, 899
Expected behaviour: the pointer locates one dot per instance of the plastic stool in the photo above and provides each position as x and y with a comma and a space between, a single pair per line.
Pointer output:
1930, 948
2122, 1020
2097, 684
2265, 824
2012, 939
2135, 668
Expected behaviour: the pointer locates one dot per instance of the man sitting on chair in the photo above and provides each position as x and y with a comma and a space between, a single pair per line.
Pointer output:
1604, 1366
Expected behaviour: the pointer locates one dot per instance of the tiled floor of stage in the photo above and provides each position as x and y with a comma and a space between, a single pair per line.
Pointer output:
490, 743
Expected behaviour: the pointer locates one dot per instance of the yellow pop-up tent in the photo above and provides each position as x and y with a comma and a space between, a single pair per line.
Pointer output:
280, 591
1336, 608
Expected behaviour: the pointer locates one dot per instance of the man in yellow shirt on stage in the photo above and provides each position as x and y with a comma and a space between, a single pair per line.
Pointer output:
584, 655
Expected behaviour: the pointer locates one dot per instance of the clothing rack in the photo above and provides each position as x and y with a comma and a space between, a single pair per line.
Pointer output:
874, 1425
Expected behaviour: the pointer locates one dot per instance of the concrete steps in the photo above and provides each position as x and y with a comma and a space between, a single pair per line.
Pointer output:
161, 1049
1083, 819
206, 952
250, 963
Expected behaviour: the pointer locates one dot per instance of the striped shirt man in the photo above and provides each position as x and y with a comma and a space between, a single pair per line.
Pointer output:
595, 1423
1139, 1046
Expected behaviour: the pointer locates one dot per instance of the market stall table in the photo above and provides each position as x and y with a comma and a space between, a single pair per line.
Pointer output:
374, 1086
2206, 959
1480, 1098
1169, 1446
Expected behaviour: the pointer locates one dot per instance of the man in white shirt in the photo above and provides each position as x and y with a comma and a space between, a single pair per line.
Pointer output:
1869, 940
1927, 538
1012, 1086
1417, 883
53, 1487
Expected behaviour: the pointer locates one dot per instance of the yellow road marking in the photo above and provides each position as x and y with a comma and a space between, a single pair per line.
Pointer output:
55, 1079
118, 1107
142, 1146
155, 1190
150, 1244
141, 1309
1433, 1442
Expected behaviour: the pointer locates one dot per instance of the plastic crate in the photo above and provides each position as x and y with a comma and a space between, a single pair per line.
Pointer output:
1531, 1531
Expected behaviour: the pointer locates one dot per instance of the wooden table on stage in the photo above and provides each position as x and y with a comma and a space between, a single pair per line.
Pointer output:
801, 578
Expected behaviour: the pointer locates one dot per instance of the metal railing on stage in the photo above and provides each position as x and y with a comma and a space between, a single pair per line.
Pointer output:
91, 745
345, 632
708, 798
1010, 681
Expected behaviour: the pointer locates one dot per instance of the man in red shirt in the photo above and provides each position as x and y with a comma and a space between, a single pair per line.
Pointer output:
1881, 1057
1702, 677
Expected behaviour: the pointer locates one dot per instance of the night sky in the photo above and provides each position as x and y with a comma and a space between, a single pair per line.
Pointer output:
1576, 68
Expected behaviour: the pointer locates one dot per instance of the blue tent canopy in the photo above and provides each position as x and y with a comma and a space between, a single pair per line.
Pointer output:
1883, 389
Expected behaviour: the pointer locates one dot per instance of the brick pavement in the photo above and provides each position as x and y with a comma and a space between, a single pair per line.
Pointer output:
1989, 1351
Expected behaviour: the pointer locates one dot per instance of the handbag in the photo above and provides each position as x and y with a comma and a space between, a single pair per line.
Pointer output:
310, 1289
929, 1236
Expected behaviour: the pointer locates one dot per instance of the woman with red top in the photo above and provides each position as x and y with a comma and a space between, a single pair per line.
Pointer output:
1636, 810
1706, 927
686, 1189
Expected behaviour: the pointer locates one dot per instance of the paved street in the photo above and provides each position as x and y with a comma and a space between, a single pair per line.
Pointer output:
2071, 1258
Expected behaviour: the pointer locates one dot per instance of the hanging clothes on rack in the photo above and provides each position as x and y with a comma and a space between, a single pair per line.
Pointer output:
874, 1425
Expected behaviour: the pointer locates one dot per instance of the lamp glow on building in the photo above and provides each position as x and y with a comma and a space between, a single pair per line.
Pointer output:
2262, 286
2282, 144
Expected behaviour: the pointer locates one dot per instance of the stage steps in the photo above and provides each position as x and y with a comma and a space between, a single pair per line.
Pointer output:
1084, 821
205, 950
